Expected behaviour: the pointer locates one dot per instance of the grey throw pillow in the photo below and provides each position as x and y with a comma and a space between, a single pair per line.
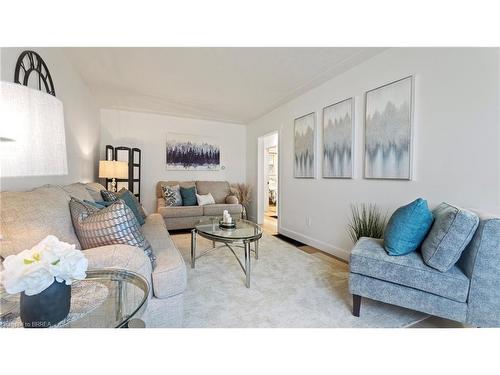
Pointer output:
111, 225
172, 195
451, 232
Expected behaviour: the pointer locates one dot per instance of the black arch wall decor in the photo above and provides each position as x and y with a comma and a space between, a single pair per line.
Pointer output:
30, 62
133, 157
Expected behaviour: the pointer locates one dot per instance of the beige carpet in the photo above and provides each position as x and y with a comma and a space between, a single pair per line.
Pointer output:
289, 288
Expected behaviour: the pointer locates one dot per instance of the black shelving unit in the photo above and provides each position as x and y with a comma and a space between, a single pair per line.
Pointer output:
133, 157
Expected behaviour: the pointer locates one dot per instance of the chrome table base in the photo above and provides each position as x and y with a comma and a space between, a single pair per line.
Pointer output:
245, 266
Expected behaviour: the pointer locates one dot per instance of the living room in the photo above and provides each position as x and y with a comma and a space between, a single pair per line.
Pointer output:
192, 186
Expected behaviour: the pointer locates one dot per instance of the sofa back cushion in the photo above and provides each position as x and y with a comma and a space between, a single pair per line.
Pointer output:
451, 232
79, 191
185, 184
94, 189
28, 217
219, 189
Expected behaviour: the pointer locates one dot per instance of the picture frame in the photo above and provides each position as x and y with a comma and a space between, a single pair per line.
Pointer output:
187, 152
388, 138
338, 140
305, 146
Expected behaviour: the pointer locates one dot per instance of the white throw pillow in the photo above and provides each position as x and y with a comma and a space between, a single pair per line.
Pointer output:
205, 199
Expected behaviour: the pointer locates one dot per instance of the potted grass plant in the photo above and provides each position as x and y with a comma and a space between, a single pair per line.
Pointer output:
367, 220
244, 194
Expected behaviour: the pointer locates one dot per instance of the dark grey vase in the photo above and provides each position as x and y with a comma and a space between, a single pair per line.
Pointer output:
46, 308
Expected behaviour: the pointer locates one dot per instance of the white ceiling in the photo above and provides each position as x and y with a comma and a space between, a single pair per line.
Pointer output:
226, 84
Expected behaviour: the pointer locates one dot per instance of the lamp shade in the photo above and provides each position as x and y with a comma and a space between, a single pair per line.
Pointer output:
113, 169
33, 142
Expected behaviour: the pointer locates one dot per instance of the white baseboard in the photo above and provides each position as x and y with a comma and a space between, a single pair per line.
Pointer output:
323, 246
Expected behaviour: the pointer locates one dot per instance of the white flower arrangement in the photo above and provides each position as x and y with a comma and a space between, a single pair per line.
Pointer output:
33, 271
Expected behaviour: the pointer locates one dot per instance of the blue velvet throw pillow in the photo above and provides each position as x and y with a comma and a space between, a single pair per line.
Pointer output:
189, 196
407, 228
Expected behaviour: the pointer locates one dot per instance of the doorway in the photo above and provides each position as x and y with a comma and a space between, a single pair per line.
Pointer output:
268, 183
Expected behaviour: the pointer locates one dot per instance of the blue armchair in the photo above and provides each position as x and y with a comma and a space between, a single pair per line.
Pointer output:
469, 292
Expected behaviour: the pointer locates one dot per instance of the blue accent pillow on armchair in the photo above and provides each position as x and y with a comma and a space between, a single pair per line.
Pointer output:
407, 228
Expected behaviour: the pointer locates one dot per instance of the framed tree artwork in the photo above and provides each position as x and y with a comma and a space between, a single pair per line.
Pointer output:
304, 144
191, 152
338, 139
388, 131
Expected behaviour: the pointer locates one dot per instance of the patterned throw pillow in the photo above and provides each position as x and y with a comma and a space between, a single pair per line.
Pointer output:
130, 200
172, 195
112, 225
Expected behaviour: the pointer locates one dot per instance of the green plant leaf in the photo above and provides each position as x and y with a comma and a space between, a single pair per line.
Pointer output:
366, 221
28, 261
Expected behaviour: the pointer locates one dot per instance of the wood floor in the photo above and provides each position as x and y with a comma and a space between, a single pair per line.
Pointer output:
270, 226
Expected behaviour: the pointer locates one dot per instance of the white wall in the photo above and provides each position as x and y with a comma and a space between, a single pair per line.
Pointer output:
456, 142
81, 118
149, 133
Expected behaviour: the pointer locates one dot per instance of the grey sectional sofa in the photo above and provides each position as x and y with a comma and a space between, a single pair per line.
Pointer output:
28, 217
469, 292
185, 217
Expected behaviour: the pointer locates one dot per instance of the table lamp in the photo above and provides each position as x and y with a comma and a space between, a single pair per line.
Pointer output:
113, 169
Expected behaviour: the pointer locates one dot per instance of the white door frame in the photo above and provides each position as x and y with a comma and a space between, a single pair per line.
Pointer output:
260, 177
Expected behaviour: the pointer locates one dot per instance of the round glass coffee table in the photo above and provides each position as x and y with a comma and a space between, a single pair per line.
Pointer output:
107, 298
242, 235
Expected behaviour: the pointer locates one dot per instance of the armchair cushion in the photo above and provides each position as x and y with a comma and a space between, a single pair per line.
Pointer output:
369, 258
451, 232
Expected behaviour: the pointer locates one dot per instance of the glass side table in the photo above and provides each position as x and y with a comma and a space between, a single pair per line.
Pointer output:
107, 298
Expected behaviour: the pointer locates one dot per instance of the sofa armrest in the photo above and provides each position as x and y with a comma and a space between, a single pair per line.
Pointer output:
481, 264
160, 202
232, 199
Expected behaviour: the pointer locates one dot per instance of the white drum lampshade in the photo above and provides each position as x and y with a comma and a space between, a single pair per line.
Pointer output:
33, 141
113, 169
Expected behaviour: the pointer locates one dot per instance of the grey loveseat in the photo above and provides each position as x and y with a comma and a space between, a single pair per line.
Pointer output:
469, 292
185, 217
28, 217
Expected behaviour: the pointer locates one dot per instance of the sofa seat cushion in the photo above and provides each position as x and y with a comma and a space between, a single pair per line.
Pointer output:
219, 189
169, 274
180, 211
28, 217
369, 258
217, 209
119, 256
